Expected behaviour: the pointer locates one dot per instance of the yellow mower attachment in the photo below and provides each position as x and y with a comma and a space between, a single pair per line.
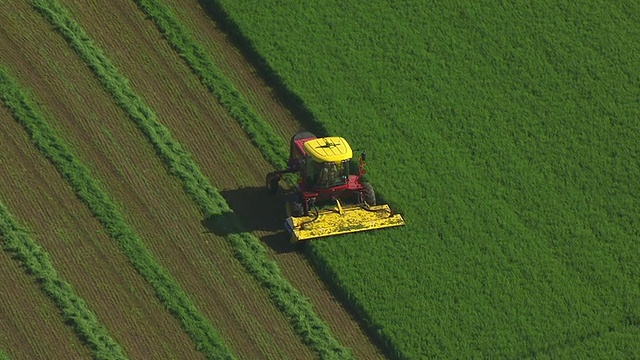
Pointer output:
341, 220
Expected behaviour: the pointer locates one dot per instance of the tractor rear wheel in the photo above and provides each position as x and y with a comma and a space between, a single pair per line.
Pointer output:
272, 182
294, 205
368, 194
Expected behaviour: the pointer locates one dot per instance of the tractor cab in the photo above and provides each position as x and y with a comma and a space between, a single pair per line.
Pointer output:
327, 162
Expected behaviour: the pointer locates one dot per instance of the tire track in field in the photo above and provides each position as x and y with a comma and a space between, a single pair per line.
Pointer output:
243, 193
161, 214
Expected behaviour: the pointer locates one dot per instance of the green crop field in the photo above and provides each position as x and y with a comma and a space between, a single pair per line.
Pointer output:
508, 135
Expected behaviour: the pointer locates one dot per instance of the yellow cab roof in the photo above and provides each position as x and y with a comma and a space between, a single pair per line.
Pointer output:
328, 149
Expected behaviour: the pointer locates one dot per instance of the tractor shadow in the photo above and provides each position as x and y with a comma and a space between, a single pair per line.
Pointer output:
254, 210
286, 97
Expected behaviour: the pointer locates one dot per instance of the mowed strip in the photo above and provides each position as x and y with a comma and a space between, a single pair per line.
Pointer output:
248, 248
17, 241
245, 188
170, 224
85, 255
31, 326
199, 18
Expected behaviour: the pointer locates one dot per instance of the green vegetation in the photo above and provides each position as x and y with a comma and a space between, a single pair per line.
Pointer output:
508, 136
91, 192
4, 356
617, 343
248, 249
37, 262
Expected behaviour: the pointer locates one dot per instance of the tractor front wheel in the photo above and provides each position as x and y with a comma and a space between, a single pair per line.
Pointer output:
368, 194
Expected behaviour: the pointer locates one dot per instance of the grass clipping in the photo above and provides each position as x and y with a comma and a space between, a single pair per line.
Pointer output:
247, 248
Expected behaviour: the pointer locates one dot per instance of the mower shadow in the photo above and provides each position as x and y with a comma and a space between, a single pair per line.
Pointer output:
254, 210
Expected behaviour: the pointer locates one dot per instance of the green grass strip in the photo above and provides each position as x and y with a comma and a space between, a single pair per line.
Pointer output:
3, 355
90, 191
37, 261
247, 248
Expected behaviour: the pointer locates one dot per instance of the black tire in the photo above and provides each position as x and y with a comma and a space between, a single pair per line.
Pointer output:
272, 183
295, 205
369, 196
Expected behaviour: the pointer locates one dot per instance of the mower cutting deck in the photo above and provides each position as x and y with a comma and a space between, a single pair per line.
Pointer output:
332, 222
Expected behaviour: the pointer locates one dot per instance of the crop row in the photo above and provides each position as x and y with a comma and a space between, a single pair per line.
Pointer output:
91, 192
35, 260
509, 139
247, 248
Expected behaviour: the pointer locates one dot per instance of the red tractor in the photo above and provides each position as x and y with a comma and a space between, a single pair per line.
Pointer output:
323, 165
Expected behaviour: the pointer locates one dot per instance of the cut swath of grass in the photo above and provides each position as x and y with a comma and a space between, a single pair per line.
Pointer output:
260, 132
3, 355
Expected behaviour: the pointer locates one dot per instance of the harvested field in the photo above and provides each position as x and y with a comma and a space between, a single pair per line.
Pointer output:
31, 326
83, 254
164, 218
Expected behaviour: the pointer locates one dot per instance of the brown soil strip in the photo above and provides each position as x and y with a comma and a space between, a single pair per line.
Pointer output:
153, 202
